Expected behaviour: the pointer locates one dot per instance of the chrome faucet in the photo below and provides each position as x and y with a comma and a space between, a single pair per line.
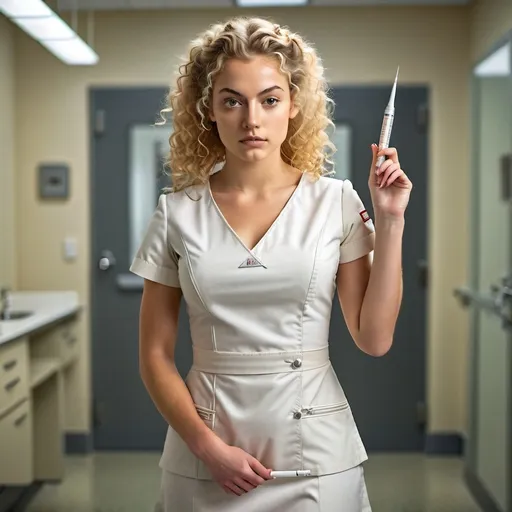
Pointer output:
5, 301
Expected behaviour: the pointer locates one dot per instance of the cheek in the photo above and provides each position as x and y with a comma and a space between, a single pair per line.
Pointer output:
280, 121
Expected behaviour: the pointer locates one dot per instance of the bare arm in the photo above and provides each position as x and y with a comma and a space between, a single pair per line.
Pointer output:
370, 294
158, 331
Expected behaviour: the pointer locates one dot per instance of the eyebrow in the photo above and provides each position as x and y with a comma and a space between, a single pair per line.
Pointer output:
236, 93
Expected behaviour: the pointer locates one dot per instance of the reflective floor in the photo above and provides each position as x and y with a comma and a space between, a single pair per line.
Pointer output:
117, 482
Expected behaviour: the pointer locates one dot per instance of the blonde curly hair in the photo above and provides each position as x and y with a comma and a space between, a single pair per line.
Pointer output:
195, 145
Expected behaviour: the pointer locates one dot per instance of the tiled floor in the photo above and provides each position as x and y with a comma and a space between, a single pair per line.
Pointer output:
129, 483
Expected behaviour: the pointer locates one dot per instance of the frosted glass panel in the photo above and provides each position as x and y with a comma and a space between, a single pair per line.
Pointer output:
489, 445
493, 446
342, 139
148, 146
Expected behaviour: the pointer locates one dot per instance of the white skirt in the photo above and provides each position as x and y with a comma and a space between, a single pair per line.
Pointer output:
344, 491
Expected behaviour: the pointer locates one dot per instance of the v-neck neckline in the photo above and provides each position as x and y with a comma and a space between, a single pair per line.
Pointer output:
271, 227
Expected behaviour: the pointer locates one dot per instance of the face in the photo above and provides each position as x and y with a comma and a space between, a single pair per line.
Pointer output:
252, 107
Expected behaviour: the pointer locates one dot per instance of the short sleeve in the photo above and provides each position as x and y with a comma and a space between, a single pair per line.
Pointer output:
155, 259
358, 238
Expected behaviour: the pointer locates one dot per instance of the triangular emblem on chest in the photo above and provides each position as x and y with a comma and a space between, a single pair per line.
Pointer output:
251, 263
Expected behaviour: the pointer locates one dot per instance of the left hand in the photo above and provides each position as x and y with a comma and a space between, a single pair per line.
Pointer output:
390, 188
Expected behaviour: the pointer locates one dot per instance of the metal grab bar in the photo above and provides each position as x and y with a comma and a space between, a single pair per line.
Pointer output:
499, 302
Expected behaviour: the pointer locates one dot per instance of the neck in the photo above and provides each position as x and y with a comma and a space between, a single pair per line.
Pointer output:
254, 176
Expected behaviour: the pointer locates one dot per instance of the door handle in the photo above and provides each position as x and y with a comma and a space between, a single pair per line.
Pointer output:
107, 260
502, 294
423, 273
506, 176
498, 302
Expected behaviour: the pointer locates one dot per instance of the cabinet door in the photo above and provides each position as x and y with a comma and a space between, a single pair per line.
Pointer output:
13, 374
16, 446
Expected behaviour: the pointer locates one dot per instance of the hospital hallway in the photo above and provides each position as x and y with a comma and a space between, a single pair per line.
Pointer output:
87, 218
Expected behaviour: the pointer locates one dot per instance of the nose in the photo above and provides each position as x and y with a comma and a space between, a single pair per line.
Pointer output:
252, 116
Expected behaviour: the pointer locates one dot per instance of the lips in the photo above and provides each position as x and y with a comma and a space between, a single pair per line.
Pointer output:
252, 139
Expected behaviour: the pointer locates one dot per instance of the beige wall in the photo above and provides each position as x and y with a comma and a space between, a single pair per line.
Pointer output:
7, 220
490, 20
358, 45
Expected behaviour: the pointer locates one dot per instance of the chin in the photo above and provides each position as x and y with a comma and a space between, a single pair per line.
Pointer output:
254, 156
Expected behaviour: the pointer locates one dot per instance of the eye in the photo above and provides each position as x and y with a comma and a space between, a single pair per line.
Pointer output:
231, 102
272, 101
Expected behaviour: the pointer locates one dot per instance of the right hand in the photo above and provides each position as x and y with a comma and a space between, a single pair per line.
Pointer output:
233, 469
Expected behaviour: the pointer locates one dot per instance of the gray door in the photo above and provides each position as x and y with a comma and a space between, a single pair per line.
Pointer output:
384, 392
126, 178
387, 393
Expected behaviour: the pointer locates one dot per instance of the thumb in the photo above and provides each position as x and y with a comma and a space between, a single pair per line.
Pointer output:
258, 468
375, 150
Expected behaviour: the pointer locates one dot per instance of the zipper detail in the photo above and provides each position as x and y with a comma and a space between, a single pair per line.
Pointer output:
323, 410
205, 413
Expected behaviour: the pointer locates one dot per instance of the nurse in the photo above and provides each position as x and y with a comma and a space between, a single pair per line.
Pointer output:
257, 250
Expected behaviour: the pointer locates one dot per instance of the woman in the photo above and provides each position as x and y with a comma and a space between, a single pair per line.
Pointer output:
258, 249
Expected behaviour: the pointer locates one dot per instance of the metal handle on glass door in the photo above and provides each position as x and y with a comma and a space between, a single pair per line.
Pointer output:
107, 260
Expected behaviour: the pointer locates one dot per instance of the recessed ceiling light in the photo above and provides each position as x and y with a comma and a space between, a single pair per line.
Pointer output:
270, 3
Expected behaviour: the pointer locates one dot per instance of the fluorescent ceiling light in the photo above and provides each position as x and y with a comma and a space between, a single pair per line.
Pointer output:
36, 19
15, 8
48, 27
72, 51
270, 3
497, 64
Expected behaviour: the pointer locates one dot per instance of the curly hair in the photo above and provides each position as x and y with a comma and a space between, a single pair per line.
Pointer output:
195, 145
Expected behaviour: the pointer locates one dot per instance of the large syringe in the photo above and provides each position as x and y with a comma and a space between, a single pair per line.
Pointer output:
387, 122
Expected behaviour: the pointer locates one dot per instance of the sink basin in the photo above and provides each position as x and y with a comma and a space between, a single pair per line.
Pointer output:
15, 315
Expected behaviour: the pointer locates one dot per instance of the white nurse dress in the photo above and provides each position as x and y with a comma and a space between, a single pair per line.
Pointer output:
261, 377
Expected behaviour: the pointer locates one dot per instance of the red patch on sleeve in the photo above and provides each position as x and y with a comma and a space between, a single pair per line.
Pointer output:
364, 215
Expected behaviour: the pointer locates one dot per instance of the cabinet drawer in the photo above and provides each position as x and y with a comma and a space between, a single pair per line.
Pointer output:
68, 342
13, 373
60, 341
16, 446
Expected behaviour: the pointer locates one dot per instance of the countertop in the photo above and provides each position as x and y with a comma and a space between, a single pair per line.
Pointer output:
48, 307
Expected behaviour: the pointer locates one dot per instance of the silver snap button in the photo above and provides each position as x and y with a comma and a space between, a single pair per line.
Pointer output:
297, 363
297, 415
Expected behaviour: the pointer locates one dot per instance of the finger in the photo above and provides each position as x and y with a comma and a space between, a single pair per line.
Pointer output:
375, 150
399, 180
384, 166
253, 478
259, 468
388, 171
234, 488
244, 484
391, 153
391, 178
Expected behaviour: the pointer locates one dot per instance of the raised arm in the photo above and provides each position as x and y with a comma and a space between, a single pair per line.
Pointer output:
370, 285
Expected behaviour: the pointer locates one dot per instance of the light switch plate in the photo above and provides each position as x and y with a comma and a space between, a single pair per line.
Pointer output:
70, 249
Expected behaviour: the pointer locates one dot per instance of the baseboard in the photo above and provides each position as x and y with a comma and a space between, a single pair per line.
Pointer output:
16, 499
444, 443
479, 492
78, 443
